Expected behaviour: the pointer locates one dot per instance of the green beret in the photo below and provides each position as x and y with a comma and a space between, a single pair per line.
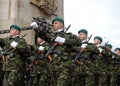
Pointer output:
117, 49
109, 45
83, 31
15, 27
97, 37
58, 19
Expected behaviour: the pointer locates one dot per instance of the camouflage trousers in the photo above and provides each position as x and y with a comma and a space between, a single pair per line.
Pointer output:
15, 78
41, 77
1, 77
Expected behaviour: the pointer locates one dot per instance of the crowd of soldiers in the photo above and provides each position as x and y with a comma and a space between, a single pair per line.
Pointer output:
58, 59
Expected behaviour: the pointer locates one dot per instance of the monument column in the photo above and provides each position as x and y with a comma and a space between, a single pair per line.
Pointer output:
14, 9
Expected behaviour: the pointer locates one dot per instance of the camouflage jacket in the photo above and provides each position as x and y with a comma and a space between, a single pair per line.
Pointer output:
70, 41
66, 49
39, 61
36, 52
90, 52
17, 56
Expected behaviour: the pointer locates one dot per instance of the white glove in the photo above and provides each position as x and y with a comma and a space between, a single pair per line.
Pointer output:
100, 50
113, 57
60, 40
83, 45
41, 48
14, 44
34, 24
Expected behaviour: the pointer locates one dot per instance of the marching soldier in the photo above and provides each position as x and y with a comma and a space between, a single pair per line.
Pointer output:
40, 71
60, 52
63, 61
116, 68
1, 64
17, 51
88, 55
80, 70
104, 62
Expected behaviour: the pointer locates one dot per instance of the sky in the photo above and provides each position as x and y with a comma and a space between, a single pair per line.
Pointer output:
98, 17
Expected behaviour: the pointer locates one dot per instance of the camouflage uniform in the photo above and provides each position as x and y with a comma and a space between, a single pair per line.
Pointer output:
106, 63
64, 60
88, 68
1, 63
14, 64
60, 67
116, 70
40, 71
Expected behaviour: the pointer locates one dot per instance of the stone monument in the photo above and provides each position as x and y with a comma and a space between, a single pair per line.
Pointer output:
20, 12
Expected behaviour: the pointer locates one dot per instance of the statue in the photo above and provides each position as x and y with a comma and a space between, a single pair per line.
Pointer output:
46, 6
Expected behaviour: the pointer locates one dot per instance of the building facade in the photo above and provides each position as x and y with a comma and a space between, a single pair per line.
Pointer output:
20, 12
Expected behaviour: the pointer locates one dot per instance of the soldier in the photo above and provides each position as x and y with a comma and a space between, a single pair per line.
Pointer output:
60, 51
65, 43
18, 51
104, 64
1, 63
40, 71
89, 58
80, 70
116, 70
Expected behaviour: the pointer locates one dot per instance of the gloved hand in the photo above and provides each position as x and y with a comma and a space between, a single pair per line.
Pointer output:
14, 44
34, 25
83, 45
60, 39
41, 48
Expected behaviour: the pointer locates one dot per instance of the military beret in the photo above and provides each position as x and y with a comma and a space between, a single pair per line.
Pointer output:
109, 45
97, 37
58, 19
15, 27
83, 31
117, 49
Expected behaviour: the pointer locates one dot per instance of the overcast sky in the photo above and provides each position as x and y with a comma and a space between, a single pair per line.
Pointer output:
99, 17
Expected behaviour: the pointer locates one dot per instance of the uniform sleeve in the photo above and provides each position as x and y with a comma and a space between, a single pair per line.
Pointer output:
48, 37
23, 49
72, 40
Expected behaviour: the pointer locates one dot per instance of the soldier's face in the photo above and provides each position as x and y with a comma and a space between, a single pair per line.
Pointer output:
96, 41
108, 48
14, 32
57, 25
39, 40
82, 36
117, 52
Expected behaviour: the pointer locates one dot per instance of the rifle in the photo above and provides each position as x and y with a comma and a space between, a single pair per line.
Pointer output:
22, 29
42, 23
76, 60
47, 55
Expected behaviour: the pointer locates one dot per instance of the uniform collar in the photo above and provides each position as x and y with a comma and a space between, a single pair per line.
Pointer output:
84, 41
98, 45
59, 30
15, 36
42, 43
